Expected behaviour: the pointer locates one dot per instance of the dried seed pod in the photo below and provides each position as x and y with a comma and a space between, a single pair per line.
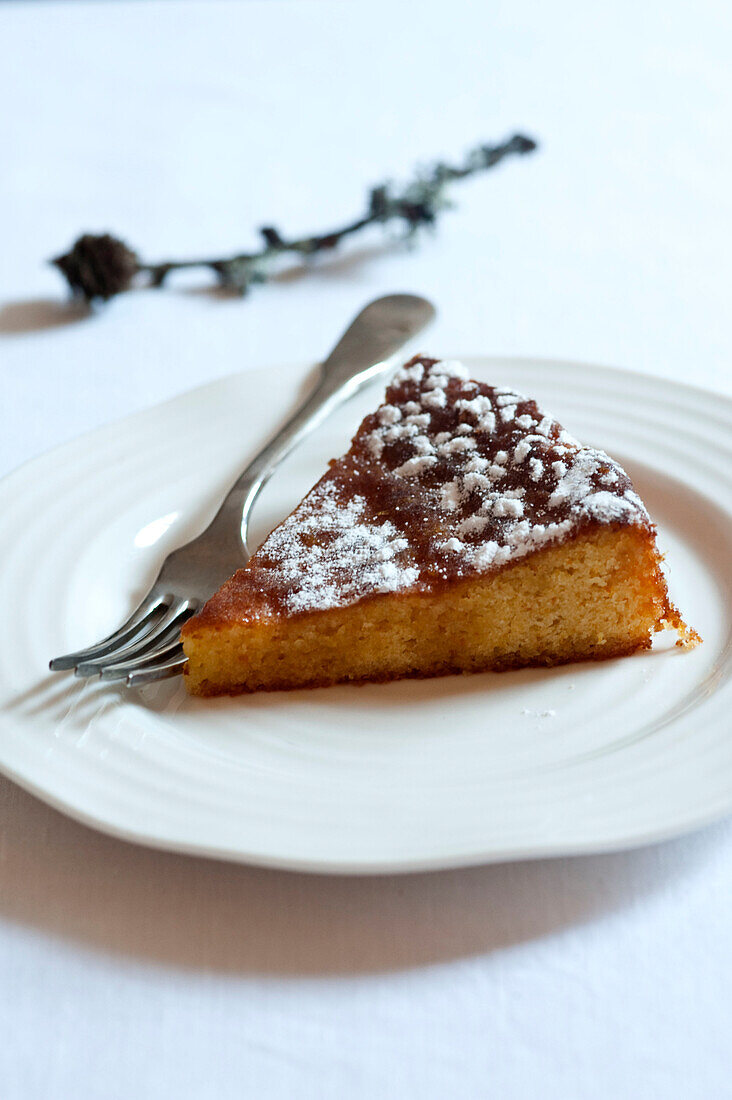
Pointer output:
98, 266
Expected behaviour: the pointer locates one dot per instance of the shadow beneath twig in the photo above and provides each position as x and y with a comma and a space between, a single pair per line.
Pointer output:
37, 314
339, 265
59, 877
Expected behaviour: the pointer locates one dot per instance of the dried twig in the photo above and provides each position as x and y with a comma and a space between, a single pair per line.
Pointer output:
100, 266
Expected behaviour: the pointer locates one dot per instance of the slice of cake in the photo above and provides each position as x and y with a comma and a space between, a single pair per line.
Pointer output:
465, 529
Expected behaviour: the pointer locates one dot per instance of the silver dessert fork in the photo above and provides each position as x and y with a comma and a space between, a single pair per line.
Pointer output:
146, 646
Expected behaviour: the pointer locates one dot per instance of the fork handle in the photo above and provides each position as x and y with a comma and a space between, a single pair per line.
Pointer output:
377, 333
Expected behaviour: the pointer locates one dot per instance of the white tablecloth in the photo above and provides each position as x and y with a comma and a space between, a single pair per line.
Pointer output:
184, 126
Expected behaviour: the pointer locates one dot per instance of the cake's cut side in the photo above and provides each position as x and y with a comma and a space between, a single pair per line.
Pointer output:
464, 530
601, 595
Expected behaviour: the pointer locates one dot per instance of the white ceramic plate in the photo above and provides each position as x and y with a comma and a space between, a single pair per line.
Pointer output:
405, 776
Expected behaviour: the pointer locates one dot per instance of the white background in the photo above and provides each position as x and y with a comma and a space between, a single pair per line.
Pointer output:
182, 127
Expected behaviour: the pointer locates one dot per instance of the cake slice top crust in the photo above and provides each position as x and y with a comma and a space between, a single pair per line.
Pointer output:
447, 479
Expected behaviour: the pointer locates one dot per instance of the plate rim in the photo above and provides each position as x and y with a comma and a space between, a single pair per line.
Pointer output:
359, 868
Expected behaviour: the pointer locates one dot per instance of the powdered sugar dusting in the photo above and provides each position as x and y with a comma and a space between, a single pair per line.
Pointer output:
329, 553
481, 491
413, 467
448, 477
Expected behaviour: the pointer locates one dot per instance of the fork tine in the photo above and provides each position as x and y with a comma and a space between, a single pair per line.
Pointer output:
161, 670
140, 618
160, 656
161, 631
